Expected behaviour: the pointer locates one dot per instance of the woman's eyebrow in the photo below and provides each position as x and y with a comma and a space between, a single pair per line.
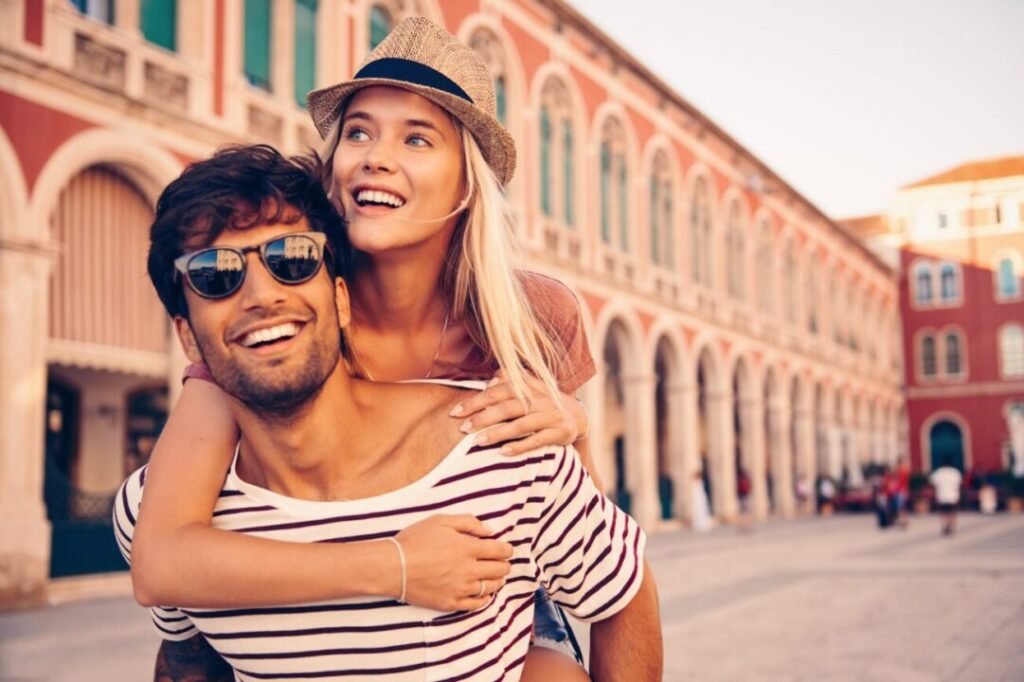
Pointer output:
361, 115
423, 123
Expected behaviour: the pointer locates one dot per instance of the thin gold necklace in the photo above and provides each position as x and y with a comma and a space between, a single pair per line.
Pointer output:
440, 344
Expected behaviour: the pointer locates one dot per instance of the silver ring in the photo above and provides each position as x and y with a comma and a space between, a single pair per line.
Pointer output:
481, 592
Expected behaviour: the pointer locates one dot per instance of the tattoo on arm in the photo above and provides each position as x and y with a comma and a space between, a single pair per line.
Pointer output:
193, 660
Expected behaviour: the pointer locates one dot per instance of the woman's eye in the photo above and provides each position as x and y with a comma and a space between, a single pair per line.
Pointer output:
356, 134
418, 141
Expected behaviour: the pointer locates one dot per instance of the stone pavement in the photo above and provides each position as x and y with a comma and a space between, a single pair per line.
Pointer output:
817, 599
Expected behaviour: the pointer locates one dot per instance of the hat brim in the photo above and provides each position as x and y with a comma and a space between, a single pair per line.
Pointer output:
496, 144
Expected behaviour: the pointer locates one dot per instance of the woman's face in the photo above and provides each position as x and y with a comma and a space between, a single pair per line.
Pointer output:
398, 161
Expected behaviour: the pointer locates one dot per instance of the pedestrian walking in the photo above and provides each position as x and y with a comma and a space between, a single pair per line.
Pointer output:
946, 480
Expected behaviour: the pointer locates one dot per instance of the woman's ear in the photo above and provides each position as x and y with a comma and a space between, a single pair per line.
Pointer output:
342, 302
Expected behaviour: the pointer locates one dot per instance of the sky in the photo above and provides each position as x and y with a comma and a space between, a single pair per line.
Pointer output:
846, 100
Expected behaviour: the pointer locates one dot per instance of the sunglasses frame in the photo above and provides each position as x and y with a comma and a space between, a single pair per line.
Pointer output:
182, 262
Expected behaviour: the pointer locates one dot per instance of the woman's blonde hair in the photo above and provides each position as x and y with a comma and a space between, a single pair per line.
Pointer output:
479, 283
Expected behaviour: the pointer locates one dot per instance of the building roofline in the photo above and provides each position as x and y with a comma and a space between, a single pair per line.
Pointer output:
566, 12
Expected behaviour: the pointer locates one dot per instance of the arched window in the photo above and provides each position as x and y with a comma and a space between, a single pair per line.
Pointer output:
556, 152
488, 46
660, 213
928, 360
812, 295
1011, 351
381, 23
1007, 279
953, 350
789, 280
614, 184
949, 284
852, 323
765, 268
735, 264
545, 161
923, 283
701, 233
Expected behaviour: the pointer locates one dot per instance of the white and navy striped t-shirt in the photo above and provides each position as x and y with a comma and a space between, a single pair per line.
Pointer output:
567, 537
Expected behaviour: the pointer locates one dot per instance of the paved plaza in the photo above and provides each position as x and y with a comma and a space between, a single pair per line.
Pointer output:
817, 599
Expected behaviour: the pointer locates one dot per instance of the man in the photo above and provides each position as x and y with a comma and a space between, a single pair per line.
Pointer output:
327, 458
947, 480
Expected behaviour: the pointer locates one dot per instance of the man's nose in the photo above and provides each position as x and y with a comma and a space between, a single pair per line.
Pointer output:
260, 289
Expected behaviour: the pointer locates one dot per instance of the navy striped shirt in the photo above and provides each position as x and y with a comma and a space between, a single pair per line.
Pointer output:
567, 537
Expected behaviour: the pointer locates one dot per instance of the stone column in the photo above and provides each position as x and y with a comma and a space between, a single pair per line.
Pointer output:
806, 455
24, 528
641, 447
752, 427
782, 457
690, 454
720, 456
676, 460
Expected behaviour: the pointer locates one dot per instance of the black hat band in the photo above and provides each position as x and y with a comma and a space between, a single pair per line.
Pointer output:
412, 72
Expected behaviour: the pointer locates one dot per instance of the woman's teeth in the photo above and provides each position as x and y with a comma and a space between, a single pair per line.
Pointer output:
376, 196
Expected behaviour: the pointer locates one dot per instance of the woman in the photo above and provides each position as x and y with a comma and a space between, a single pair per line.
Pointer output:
418, 162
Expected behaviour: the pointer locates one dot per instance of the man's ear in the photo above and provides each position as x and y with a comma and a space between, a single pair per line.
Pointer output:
187, 339
342, 302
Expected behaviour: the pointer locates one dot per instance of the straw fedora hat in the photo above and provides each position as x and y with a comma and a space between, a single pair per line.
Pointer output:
420, 56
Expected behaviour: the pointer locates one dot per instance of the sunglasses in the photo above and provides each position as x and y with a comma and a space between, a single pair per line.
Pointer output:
219, 271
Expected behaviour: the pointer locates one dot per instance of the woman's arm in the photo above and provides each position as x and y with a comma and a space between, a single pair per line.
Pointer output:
179, 559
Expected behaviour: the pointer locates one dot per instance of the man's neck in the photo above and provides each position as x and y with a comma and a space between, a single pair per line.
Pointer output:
296, 454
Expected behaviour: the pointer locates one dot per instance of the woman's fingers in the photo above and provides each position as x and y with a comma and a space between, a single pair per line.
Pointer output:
495, 414
494, 393
530, 443
495, 571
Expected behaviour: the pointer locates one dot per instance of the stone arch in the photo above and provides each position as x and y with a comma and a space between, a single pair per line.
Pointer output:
965, 435
13, 193
148, 167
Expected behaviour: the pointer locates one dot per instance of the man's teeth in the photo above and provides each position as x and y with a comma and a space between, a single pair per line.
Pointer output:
281, 331
375, 196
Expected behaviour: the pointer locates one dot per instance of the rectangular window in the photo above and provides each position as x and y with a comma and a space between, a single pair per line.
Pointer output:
623, 206
159, 22
305, 49
942, 220
100, 10
257, 43
545, 161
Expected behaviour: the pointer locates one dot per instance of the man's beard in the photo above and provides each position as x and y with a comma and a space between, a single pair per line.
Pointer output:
274, 394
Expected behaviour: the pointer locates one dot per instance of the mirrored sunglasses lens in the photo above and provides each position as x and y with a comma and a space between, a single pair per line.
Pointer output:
293, 259
216, 272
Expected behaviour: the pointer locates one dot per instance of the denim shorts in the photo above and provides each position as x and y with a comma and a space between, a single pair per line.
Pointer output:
547, 622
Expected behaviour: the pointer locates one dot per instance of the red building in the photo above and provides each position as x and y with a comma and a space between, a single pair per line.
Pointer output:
959, 240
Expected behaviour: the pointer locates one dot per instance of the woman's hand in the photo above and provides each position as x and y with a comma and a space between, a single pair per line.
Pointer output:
542, 420
451, 564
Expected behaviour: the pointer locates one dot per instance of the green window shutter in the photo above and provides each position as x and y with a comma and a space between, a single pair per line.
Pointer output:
380, 25
655, 231
305, 49
257, 42
159, 19
545, 161
501, 99
606, 188
623, 205
567, 171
